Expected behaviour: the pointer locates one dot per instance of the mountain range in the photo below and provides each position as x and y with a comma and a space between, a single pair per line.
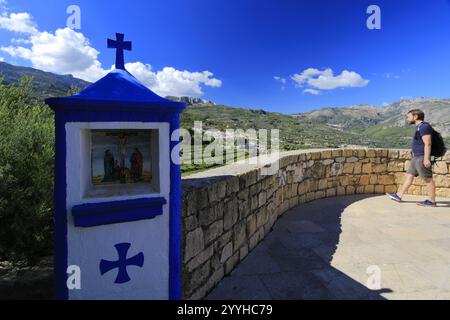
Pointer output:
385, 122
45, 84
368, 125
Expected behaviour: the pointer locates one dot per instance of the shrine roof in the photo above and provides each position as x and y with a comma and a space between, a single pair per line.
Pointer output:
118, 88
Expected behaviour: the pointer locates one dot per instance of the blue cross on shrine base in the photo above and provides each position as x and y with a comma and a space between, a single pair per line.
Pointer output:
122, 263
119, 45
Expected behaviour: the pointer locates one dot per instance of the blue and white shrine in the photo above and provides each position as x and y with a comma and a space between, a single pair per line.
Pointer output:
117, 190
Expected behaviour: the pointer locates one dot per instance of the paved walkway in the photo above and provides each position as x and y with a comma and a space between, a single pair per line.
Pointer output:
331, 249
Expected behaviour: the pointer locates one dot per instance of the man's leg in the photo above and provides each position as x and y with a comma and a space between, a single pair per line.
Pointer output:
431, 188
427, 175
406, 184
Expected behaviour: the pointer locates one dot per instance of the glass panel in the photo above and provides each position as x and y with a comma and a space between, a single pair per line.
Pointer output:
121, 157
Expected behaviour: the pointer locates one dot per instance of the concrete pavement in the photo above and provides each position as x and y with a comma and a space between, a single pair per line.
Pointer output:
335, 248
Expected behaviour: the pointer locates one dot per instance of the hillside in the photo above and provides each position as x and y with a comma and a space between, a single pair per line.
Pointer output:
45, 84
353, 118
386, 123
294, 133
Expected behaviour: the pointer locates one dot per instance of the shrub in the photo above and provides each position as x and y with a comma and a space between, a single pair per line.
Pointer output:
26, 174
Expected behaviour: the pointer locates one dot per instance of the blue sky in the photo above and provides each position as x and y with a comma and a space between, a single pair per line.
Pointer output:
230, 51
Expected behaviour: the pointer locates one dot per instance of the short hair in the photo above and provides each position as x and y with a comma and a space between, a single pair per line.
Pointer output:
417, 112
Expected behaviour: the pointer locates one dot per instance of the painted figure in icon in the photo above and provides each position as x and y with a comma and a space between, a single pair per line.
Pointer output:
108, 163
136, 161
117, 158
117, 169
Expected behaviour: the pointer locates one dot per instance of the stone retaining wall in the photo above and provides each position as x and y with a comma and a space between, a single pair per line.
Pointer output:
227, 211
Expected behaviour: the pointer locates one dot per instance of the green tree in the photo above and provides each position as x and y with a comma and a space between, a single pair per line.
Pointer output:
73, 90
26, 173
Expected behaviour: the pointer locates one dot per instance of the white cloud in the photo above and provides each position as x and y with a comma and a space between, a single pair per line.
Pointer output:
303, 77
311, 91
326, 80
20, 41
21, 22
69, 52
281, 80
2, 59
170, 81
65, 52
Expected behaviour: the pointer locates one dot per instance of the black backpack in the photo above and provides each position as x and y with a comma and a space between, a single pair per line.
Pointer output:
438, 148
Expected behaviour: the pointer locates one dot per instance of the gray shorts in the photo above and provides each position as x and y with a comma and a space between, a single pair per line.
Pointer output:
416, 168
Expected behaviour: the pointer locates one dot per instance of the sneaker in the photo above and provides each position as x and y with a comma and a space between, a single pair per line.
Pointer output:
427, 203
394, 197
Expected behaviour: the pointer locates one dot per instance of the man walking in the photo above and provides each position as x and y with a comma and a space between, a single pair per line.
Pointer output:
421, 162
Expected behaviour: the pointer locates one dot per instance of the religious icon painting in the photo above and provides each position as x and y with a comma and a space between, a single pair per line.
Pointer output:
120, 156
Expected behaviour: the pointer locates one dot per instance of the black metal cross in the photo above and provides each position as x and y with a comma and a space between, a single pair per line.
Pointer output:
119, 45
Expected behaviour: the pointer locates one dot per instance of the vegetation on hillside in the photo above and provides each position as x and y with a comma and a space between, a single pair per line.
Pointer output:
294, 133
45, 84
386, 124
393, 137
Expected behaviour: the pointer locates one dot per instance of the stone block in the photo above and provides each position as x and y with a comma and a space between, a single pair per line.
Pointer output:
251, 224
194, 243
231, 214
379, 188
240, 236
385, 179
213, 231
199, 259
348, 168
367, 168
227, 252
440, 167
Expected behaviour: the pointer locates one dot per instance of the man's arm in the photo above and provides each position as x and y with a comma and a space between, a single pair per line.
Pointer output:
427, 152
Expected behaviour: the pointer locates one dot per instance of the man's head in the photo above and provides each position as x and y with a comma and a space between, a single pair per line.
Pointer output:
415, 115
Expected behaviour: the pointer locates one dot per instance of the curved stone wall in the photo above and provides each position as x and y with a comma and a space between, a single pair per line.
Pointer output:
228, 210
